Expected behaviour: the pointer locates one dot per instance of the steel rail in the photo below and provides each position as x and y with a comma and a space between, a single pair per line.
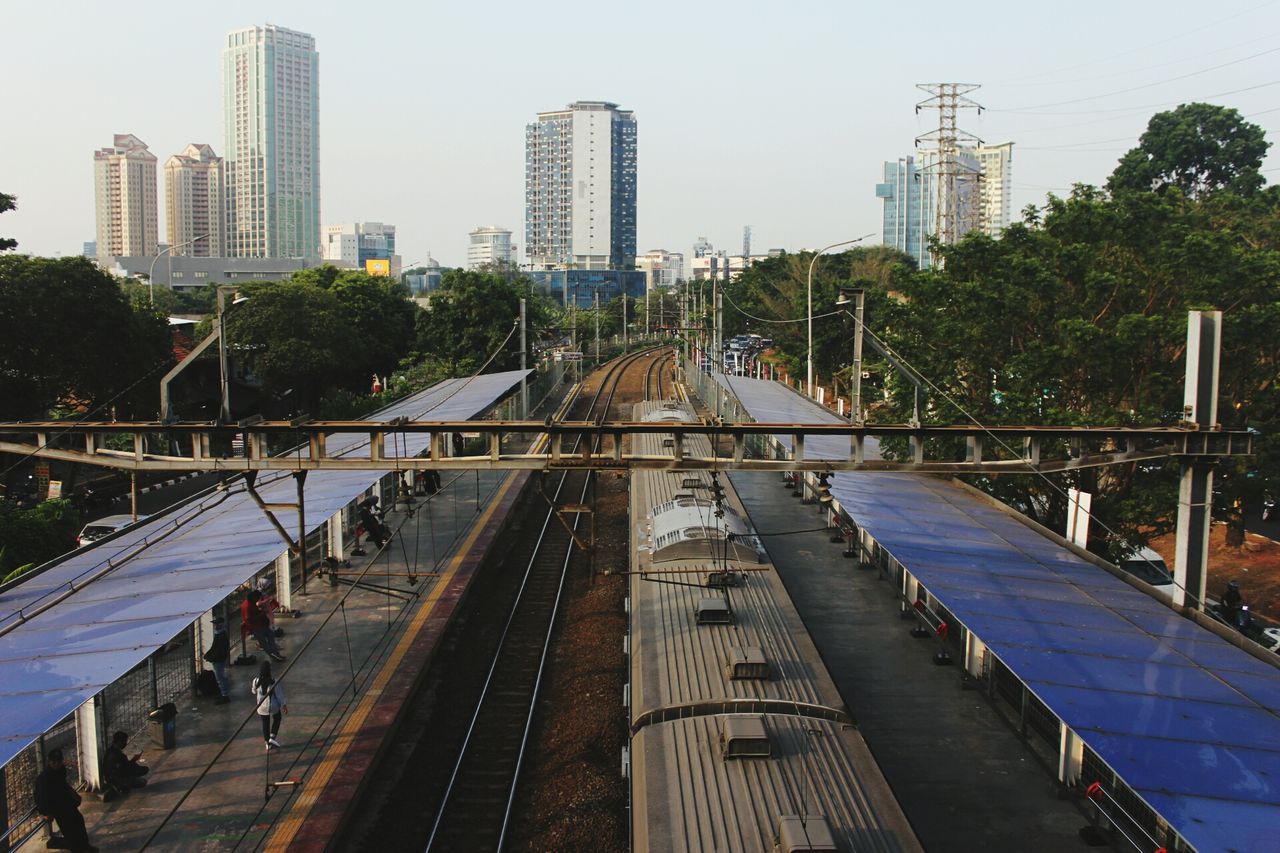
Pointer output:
610, 381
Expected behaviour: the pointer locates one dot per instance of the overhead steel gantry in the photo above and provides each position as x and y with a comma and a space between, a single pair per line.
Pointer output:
207, 447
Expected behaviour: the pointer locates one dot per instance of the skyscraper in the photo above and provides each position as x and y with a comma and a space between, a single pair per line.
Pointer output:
124, 179
270, 87
580, 188
194, 208
907, 191
996, 196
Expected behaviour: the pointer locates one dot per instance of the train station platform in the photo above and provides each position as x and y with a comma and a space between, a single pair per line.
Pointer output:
352, 658
960, 774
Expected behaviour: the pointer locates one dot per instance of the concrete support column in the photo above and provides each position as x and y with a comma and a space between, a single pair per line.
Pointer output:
1070, 755
91, 742
1195, 491
284, 582
335, 528
974, 651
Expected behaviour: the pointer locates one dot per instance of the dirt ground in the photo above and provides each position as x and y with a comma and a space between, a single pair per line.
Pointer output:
1256, 566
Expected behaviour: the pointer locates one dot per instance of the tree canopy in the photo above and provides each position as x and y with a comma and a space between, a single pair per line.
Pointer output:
7, 203
470, 317
69, 336
1197, 148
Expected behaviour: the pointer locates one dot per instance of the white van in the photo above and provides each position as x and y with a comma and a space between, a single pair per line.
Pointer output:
1146, 564
96, 530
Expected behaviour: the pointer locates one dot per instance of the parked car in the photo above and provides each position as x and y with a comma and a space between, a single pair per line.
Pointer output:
1146, 564
1270, 639
103, 527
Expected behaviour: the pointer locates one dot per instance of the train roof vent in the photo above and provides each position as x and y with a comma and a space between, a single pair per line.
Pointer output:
724, 578
713, 611
802, 833
747, 662
744, 737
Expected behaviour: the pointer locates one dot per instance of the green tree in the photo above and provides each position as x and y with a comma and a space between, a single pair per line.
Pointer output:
29, 537
7, 202
296, 338
68, 335
1197, 148
470, 317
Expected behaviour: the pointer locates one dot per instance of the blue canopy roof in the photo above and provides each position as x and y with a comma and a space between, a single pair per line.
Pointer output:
71, 630
1189, 721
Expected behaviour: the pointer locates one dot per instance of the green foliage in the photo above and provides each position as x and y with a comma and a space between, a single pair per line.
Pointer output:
1197, 148
322, 332
36, 535
471, 315
68, 333
7, 202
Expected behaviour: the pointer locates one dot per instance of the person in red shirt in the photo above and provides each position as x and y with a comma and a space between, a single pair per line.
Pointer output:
255, 621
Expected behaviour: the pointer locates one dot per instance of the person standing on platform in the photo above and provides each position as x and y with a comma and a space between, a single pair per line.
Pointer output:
218, 655
271, 704
58, 801
254, 621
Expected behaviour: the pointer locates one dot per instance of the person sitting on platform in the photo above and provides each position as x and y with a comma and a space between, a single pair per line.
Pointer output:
123, 774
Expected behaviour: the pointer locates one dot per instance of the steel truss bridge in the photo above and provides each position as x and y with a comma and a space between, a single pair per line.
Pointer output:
545, 445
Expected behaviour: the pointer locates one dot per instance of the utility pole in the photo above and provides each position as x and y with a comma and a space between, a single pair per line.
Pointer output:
955, 184
595, 293
524, 350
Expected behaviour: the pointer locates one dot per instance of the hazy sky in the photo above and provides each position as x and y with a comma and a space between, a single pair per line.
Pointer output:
773, 115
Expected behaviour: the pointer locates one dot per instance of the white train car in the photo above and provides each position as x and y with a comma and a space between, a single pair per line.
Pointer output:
740, 741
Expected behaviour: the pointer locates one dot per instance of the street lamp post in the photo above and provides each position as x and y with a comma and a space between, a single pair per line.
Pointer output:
151, 283
816, 255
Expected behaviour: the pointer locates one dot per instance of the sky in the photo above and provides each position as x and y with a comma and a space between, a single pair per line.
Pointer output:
777, 116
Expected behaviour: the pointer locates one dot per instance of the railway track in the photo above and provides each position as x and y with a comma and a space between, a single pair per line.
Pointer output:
475, 810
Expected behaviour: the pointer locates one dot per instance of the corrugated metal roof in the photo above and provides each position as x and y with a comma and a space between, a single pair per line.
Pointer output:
1184, 718
78, 626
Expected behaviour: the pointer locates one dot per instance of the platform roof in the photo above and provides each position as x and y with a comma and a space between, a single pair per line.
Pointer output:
79, 625
1186, 719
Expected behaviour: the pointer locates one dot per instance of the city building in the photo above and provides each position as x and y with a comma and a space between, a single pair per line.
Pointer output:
982, 197
194, 209
271, 113
584, 287
996, 188
355, 245
90, 249
907, 192
191, 273
661, 268
426, 278
490, 246
580, 188
124, 181
702, 248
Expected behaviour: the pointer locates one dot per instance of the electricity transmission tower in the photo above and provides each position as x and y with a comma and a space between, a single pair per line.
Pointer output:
948, 159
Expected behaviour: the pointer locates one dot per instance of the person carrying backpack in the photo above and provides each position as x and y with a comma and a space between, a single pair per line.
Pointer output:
271, 704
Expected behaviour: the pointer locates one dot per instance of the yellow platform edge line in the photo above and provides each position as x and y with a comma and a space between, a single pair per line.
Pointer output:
287, 828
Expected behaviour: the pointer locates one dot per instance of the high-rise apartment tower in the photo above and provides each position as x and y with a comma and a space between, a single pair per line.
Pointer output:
580, 188
490, 246
194, 209
270, 90
124, 180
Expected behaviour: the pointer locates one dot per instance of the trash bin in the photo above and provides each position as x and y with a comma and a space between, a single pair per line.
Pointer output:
163, 725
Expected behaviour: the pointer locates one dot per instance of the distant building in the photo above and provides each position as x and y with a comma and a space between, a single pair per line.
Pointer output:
702, 248
91, 249
353, 245
996, 187
580, 188
907, 192
425, 282
722, 265
583, 287
983, 197
270, 90
661, 268
490, 246
195, 212
124, 180
188, 273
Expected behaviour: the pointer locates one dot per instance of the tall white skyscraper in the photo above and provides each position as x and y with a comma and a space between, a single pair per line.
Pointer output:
580, 188
194, 209
124, 181
996, 194
270, 89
